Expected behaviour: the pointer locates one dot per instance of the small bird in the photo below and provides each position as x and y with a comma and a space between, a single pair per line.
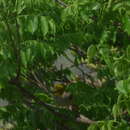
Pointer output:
58, 88
62, 97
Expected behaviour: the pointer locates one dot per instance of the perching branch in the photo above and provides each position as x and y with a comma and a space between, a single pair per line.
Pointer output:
79, 118
61, 3
85, 120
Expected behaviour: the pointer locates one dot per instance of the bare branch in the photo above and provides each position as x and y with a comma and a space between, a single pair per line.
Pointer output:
61, 3
85, 120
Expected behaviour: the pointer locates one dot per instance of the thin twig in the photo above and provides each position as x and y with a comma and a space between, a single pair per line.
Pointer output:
52, 109
28, 104
39, 83
18, 48
78, 50
61, 3
30, 80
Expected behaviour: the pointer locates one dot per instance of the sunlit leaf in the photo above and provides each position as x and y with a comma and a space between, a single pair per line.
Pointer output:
44, 25
115, 111
110, 125
33, 24
123, 86
126, 21
91, 52
52, 26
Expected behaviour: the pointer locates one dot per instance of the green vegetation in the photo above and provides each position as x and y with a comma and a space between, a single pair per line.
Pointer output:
34, 33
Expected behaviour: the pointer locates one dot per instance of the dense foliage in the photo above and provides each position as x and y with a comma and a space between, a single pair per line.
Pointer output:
34, 33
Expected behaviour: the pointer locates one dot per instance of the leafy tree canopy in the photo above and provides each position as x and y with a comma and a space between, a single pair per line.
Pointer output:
35, 33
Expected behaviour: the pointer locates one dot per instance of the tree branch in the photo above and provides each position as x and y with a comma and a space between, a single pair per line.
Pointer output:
61, 3
18, 48
85, 120
78, 118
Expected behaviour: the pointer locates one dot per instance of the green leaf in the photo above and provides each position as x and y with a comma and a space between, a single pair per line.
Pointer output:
128, 53
123, 86
44, 25
103, 127
33, 24
43, 97
126, 22
123, 5
27, 56
105, 53
109, 4
121, 68
65, 13
20, 7
7, 70
104, 36
3, 109
110, 125
91, 52
128, 105
96, 6
23, 58
115, 111
119, 99
52, 26
93, 127
1, 86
